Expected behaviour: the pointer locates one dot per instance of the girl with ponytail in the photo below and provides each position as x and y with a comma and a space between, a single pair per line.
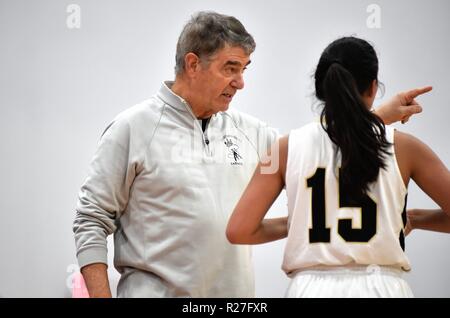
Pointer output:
346, 179
358, 133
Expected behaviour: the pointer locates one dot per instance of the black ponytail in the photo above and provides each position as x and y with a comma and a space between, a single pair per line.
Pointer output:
345, 71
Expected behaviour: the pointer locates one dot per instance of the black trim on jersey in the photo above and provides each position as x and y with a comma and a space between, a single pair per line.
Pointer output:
401, 237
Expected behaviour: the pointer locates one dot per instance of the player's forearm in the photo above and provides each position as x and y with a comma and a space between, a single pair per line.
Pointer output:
431, 220
274, 229
269, 230
386, 114
96, 279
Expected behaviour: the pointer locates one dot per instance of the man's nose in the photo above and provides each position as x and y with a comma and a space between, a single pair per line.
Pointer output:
238, 81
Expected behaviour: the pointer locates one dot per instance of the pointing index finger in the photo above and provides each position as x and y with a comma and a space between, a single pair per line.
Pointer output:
410, 95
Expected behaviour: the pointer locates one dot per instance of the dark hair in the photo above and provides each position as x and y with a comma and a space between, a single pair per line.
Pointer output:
344, 73
207, 32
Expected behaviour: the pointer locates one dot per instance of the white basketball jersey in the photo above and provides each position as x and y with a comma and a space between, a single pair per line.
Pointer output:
325, 229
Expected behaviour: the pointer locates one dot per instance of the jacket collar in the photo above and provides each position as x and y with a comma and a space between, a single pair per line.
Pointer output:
166, 94
170, 98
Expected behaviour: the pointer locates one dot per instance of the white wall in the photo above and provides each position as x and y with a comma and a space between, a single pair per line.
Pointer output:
59, 87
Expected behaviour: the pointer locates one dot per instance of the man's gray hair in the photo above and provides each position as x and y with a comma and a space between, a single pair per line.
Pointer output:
207, 32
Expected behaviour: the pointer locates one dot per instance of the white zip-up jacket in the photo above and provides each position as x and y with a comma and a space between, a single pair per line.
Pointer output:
166, 189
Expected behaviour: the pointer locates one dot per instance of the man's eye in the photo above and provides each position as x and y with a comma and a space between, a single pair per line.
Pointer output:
234, 70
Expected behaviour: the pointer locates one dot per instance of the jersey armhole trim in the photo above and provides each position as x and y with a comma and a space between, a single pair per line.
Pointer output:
396, 167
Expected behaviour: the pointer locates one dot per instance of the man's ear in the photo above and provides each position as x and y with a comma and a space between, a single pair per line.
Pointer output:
191, 64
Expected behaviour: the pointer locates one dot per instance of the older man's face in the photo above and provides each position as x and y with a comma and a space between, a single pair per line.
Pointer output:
219, 80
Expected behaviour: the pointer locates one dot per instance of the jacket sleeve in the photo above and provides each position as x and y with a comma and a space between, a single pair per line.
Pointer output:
104, 194
258, 132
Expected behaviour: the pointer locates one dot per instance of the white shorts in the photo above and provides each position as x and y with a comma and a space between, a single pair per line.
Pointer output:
355, 281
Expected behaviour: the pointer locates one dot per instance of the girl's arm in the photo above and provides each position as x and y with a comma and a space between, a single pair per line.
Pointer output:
431, 220
418, 161
247, 224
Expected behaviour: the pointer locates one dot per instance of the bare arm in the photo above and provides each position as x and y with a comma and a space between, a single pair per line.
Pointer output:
247, 224
96, 279
432, 220
402, 106
418, 161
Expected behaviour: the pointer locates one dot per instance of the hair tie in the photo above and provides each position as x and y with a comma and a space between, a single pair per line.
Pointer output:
337, 62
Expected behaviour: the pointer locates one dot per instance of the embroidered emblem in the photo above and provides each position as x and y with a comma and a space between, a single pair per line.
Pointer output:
232, 144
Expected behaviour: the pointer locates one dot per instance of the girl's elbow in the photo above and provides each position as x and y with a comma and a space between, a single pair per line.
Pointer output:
233, 235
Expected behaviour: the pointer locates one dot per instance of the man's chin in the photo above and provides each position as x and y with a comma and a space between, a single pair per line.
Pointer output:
222, 107
225, 107
219, 110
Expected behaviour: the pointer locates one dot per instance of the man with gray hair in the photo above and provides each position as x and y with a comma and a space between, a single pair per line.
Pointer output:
167, 174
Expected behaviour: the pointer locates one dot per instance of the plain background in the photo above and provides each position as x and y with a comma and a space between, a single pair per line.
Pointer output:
60, 87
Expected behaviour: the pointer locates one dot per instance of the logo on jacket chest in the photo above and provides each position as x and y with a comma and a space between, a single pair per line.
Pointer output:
233, 153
